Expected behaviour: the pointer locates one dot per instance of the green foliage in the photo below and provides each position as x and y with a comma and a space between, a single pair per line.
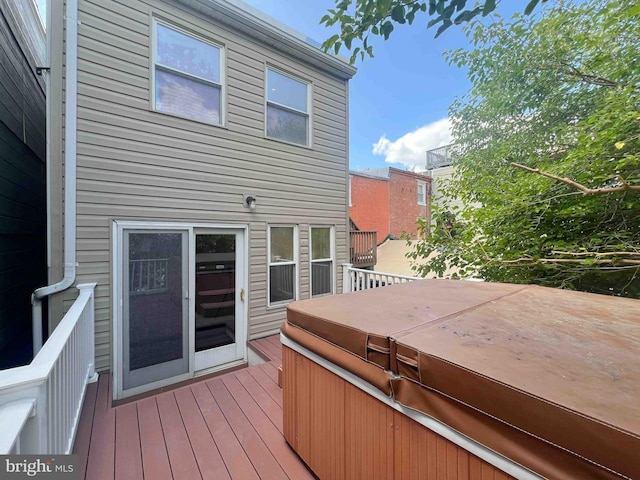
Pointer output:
561, 95
360, 18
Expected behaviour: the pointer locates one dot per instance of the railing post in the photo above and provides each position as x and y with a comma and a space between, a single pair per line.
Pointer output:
92, 376
346, 277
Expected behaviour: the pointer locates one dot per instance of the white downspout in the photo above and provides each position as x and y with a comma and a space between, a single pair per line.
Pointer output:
70, 124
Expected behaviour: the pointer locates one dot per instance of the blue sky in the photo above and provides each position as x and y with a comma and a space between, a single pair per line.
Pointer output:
399, 99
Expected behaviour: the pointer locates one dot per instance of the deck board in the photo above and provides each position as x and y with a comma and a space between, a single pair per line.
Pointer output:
83, 435
235, 458
209, 459
155, 459
103, 435
227, 427
274, 352
271, 436
275, 340
271, 371
262, 398
253, 445
181, 457
269, 347
128, 456
267, 384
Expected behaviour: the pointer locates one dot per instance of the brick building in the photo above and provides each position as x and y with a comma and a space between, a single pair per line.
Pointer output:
388, 200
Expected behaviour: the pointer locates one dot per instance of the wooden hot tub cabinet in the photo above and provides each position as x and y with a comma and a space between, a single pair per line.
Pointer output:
460, 380
343, 432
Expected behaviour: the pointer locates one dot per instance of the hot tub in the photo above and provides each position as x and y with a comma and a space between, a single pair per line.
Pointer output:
441, 379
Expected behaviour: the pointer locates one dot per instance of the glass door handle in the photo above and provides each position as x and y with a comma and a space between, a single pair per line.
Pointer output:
242, 294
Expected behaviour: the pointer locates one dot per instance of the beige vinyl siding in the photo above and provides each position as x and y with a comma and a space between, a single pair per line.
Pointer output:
138, 164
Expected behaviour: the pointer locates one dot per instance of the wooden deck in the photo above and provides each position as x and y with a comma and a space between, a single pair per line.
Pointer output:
226, 427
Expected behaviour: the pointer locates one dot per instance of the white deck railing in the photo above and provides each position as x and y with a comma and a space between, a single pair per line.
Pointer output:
355, 279
40, 403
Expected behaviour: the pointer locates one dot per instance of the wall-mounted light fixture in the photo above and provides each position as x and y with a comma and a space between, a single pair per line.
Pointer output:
249, 201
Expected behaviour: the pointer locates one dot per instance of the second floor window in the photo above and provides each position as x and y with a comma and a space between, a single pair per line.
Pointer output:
422, 192
187, 75
288, 107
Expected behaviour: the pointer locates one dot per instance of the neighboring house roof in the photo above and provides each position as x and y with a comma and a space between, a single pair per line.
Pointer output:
260, 26
376, 172
384, 173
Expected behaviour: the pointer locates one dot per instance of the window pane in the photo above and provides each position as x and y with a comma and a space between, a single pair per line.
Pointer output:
286, 125
282, 283
421, 192
215, 290
321, 276
281, 244
155, 298
320, 243
180, 95
185, 53
286, 91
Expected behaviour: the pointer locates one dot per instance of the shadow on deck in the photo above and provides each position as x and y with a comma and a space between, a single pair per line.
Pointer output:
226, 427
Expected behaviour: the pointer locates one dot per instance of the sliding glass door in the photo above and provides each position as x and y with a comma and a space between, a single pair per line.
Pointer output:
155, 305
180, 303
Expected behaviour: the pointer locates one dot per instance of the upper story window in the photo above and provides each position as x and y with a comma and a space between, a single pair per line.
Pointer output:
187, 75
288, 108
422, 192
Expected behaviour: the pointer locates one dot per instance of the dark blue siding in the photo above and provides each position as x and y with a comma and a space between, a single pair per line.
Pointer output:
22, 196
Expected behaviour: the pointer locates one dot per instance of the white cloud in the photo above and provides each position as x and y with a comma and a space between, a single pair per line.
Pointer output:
409, 150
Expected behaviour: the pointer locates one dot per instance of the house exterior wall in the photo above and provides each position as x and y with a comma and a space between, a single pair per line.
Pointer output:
370, 204
440, 176
388, 204
22, 176
404, 209
138, 164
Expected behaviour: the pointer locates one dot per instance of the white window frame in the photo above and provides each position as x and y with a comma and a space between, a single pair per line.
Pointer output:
332, 259
295, 262
423, 184
223, 63
308, 113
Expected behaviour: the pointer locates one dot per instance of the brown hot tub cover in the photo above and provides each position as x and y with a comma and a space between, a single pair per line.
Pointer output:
364, 322
548, 378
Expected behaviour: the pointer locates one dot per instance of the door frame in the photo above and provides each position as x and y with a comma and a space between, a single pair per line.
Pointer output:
117, 234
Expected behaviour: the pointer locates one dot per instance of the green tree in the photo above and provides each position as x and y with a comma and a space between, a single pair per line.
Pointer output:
358, 19
547, 153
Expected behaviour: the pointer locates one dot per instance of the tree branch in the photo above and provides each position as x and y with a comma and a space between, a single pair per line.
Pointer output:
624, 187
530, 260
592, 79
597, 254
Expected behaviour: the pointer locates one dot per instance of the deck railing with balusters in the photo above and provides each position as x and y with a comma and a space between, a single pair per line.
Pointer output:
355, 279
40, 403
363, 249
